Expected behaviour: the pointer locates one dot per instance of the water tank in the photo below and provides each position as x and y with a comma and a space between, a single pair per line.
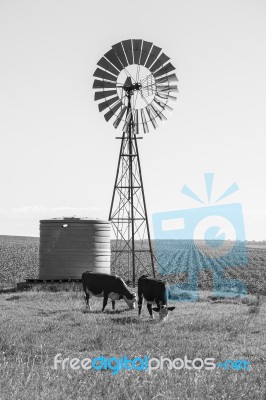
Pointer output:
71, 246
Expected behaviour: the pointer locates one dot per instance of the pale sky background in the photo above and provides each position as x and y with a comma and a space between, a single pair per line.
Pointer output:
58, 156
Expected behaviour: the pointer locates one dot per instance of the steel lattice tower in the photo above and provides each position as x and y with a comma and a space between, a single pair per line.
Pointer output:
128, 213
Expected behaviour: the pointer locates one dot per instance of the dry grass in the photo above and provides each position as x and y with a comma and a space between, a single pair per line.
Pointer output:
35, 326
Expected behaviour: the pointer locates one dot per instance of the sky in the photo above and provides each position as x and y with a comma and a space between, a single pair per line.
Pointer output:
58, 156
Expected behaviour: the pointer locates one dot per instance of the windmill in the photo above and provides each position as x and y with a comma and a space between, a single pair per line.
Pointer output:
134, 82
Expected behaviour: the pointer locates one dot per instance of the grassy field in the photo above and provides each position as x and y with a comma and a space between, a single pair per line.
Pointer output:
35, 326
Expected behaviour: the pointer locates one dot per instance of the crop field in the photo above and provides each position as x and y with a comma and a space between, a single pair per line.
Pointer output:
19, 258
179, 260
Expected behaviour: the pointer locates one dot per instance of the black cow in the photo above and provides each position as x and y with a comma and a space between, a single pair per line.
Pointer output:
154, 291
104, 285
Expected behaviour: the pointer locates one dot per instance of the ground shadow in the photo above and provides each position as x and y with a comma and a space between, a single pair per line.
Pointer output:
129, 320
8, 290
111, 312
13, 298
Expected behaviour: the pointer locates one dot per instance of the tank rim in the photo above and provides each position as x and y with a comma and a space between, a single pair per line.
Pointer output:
75, 219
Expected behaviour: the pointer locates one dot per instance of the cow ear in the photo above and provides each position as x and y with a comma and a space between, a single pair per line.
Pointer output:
156, 309
170, 308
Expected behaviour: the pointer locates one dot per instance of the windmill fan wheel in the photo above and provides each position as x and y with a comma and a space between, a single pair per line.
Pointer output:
134, 83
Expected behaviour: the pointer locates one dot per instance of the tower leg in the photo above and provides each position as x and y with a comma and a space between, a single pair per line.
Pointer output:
145, 210
131, 205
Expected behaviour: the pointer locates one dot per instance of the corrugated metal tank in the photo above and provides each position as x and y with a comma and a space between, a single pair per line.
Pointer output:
71, 246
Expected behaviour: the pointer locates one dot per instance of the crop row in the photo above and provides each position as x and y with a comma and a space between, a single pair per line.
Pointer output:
177, 261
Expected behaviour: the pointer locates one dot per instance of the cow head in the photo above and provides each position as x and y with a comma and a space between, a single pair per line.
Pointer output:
163, 312
130, 300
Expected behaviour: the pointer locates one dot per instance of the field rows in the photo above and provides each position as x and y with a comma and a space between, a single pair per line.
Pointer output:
180, 261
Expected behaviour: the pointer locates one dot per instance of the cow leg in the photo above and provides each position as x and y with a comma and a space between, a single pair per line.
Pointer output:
158, 303
149, 306
140, 299
113, 304
105, 299
87, 300
88, 304
87, 296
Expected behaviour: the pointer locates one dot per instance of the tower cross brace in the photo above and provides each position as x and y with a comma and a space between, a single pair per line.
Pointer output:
132, 254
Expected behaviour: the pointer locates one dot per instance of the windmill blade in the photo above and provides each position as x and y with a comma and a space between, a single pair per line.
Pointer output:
158, 105
168, 108
107, 103
136, 122
112, 111
159, 62
99, 73
136, 49
118, 48
151, 113
166, 96
144, 122
154, 123
112, 57
105, 64
162, 95
163, 117
165, 106
119, 117
169, 78
157, 112
146, 46
103, 84
128, 50
151, 117
104, 93
167, 88
172, 98
153, 55
164, 70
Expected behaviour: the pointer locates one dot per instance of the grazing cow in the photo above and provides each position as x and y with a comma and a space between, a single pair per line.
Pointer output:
154, 291
104, 285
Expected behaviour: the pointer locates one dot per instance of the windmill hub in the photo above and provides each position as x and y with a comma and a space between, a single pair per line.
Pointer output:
130, 89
